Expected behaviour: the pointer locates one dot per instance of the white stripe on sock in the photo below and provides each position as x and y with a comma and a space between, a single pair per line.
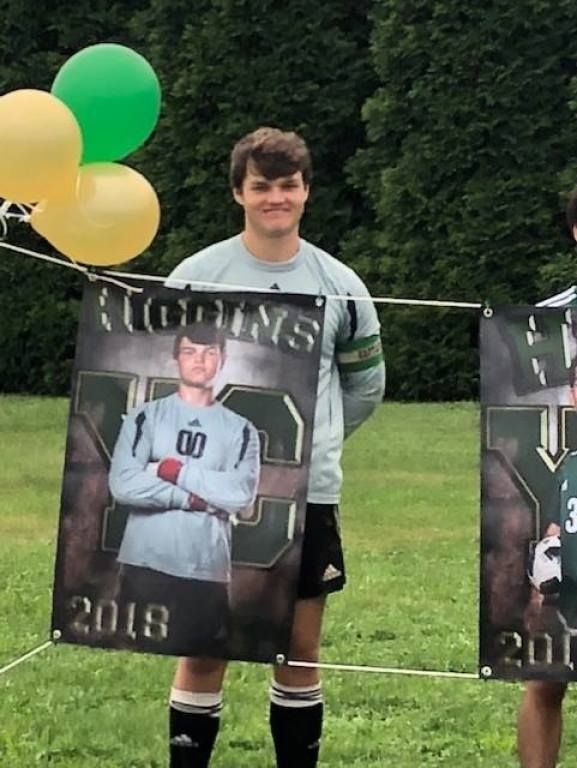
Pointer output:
295, 697
209, 704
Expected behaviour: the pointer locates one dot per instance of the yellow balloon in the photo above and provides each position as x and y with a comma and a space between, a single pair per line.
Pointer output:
112, 218
40, 147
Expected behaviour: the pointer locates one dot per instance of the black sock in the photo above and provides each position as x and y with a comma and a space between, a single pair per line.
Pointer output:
296, 729
193, 732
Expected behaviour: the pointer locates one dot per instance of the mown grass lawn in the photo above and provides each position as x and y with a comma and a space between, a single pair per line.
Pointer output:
410, 524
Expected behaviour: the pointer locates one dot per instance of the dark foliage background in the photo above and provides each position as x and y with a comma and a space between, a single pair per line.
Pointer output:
443, 140
471, 143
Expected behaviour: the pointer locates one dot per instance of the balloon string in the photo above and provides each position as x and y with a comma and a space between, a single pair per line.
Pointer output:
4, 208
23, 215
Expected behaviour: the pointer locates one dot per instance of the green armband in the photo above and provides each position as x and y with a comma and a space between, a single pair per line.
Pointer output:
360, 354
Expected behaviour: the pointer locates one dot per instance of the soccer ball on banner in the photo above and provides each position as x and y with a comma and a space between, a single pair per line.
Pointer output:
545, 565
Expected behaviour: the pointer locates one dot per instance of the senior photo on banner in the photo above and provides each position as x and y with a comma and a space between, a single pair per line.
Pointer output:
186, 470
528, 620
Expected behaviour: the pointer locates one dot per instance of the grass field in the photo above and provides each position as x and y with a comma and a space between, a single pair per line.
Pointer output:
410, 524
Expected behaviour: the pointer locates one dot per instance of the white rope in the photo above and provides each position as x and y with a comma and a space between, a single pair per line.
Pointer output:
335, 297
128, 288
92, 276
26, 656
381, 670
24, 215
110, 276
44, 257
301, 664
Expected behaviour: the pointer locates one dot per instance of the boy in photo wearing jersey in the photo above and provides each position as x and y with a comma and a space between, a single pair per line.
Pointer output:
184, 464
540, 720
270, 174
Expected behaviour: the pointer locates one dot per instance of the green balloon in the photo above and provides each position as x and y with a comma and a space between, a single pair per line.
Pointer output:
114, 94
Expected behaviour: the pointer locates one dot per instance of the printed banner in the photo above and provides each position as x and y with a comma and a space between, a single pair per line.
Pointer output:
528, 606
185, 479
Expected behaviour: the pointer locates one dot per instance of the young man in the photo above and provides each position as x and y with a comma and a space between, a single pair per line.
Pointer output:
540, 719
270, 176
184, 464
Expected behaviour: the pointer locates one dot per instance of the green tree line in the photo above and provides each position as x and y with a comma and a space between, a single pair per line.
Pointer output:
443, 143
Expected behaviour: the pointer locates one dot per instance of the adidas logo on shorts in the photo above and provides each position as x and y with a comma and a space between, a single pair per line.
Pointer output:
331, 573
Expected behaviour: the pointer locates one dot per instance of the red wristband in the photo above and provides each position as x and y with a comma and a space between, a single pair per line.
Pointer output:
168, 470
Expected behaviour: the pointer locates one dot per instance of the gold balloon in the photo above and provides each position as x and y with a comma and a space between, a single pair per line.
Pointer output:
112, 218
40, 147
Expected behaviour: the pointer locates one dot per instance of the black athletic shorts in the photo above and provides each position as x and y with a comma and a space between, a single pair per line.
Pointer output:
196, 613
322, 563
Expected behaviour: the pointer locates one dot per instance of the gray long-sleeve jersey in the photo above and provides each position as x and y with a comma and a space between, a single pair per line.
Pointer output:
219, 451
352, 370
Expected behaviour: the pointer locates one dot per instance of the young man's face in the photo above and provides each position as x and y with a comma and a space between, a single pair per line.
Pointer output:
198, 364
272, 208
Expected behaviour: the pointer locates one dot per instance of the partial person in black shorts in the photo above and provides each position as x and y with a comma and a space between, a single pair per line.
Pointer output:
540, 718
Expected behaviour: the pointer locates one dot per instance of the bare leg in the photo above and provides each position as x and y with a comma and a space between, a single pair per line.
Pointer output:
540, 723
296, 709
201, 675
305, 643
